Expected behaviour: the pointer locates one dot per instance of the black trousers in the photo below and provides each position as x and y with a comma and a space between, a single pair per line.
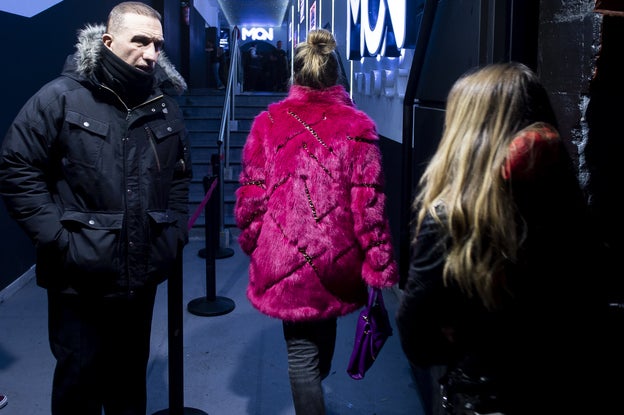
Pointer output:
102, 347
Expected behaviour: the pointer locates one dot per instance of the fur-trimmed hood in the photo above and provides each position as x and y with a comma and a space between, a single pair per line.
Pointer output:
87, 57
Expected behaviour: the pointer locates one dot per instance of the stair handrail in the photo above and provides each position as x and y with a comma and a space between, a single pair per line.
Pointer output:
228, 105
223, 140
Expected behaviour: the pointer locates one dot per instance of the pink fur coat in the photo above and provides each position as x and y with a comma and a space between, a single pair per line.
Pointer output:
311, 207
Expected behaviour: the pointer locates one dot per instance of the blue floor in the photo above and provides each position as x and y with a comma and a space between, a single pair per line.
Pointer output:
233, 363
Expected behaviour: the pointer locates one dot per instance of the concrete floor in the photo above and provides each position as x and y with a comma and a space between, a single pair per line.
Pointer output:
233, 363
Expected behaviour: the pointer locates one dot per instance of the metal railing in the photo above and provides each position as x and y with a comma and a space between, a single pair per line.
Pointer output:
227, 116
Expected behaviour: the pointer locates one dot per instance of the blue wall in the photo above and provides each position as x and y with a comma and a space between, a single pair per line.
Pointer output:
34, 50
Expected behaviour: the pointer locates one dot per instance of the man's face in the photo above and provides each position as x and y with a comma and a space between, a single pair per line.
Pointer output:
138, 41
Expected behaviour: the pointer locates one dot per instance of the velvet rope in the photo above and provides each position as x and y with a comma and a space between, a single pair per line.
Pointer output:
201, 206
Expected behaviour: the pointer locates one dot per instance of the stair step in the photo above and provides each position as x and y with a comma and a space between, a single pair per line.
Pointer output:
203, 153
209, 138
192, 99
197, 194
202, 110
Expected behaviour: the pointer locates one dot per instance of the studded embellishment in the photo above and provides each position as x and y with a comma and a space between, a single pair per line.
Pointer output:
369, 185
281, 182
361, 140
259, 183
325, 169
345, 251
310, 203
252, 217
308, 258
279, 226
376, 243
311, 130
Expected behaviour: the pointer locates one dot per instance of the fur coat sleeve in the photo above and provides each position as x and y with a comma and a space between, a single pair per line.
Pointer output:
368, 202
251, 195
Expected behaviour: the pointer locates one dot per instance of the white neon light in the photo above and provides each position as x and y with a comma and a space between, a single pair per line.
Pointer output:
333, 17
354, 7
398, 17
374, 40
373, 37
257, 33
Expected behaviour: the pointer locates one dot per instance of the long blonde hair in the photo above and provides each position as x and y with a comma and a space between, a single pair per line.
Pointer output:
485, 110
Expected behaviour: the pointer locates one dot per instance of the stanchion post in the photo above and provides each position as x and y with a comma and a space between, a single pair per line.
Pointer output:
211, 236
175, 343
211, 304
220, 252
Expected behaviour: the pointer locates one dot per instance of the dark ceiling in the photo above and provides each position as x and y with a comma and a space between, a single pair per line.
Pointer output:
267, 13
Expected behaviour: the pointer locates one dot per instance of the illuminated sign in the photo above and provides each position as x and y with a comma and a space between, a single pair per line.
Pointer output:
380, 28
313, 16
257, 33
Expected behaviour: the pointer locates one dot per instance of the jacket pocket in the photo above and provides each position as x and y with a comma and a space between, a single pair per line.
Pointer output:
164, 240
164, 129
93, 253
86, 137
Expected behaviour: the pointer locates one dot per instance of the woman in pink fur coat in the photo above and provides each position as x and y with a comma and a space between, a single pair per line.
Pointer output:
311, 210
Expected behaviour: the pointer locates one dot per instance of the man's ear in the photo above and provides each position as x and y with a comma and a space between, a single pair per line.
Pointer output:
107, 39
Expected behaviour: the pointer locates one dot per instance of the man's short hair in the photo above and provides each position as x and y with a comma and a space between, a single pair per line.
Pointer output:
116, 15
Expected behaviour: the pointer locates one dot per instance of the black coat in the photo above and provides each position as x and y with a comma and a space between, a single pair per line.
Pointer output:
101, 189
540, 347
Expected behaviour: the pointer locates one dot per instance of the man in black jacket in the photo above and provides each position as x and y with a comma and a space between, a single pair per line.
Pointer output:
96, 170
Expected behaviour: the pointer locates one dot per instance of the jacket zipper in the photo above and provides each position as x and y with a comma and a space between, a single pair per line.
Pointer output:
151, 140
147, 130
129, 110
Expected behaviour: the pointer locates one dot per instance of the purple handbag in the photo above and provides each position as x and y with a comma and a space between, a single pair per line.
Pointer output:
371, 332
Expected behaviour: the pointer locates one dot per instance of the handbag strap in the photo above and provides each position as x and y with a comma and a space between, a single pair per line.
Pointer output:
375, 297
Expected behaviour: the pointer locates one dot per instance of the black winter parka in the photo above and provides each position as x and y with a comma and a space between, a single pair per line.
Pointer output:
101, 189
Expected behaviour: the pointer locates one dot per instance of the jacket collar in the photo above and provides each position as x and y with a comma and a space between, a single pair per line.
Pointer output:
87, 57
334, 94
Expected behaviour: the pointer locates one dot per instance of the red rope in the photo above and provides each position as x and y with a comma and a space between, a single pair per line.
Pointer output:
201, 206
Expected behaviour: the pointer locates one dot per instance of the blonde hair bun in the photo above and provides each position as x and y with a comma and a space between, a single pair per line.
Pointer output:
321, 41
315, 64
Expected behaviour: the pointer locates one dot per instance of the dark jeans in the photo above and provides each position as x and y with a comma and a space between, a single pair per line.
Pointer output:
310, 348
102, 347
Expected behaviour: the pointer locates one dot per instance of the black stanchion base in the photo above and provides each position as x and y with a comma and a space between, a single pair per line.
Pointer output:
224, 253
220, 254
205, 307
185, 411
